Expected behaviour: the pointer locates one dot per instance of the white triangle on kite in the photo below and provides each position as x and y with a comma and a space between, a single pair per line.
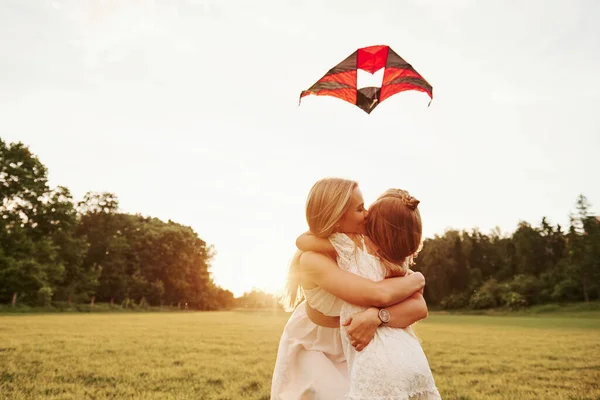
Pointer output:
365, 79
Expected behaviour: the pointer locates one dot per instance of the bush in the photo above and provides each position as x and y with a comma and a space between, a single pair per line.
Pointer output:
514, 300
487, 296
568, 289
528, 286
455, 301
63, 306
482, 299
44, 296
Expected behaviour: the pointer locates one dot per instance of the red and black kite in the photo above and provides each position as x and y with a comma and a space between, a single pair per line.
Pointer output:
398, 76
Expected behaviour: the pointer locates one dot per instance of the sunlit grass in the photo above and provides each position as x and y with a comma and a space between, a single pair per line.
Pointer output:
483, 357
230, 355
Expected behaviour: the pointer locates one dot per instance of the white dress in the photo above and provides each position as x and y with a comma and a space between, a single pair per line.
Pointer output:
310, 361
393, 365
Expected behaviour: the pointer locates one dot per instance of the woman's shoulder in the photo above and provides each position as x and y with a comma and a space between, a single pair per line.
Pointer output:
345, 245
306, 259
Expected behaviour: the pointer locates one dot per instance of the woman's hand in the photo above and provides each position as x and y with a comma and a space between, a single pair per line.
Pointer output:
361, 327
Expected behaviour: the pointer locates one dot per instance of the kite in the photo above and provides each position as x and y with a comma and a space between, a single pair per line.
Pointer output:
341, 80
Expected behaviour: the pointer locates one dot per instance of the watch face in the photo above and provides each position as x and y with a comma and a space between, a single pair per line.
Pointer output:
384, 315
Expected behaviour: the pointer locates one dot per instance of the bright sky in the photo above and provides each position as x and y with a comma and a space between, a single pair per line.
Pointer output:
188, 110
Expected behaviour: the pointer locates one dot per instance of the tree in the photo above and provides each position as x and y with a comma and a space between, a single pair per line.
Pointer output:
28, 255
583, 247
258, 299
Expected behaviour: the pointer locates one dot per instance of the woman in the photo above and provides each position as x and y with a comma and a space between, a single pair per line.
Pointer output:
393, 366
310, 360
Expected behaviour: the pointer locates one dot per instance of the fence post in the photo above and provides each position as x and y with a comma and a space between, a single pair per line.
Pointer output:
14, 299
93, 300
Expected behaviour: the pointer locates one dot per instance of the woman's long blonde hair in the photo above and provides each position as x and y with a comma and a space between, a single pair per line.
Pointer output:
394, 225
328, 200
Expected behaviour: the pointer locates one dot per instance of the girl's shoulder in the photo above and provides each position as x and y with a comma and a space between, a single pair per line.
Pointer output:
344, 245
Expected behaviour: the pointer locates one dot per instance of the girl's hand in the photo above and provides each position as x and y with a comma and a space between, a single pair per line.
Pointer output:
361, 327
410, 272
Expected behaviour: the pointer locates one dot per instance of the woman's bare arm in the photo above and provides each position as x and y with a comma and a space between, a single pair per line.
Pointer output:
408, 312
402, 315
355, 289
362, 326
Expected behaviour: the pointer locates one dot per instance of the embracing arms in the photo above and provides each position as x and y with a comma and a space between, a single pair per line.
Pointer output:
309, 242
402, 296
349, 287
361, 326
355, 289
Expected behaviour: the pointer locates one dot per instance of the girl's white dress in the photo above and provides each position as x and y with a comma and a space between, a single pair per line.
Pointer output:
393, 365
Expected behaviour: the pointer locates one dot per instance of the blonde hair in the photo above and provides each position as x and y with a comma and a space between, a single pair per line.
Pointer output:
394, 225
328, 200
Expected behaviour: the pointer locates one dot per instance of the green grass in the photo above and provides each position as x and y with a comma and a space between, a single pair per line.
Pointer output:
580, 309
230, 355
63, 307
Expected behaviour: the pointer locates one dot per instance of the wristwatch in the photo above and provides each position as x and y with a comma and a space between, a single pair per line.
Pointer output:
384, 315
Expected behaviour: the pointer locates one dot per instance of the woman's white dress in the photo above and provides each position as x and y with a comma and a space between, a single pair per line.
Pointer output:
310, 360
393, 365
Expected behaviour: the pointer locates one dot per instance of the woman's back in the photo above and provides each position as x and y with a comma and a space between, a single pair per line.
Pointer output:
316, 297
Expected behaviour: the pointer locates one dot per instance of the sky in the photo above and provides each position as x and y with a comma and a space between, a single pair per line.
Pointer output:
188, 111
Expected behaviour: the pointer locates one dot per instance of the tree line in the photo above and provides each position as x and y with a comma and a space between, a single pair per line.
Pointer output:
534, 265
54, 249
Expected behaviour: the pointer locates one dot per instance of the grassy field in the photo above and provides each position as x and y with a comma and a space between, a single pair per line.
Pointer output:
230, 355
